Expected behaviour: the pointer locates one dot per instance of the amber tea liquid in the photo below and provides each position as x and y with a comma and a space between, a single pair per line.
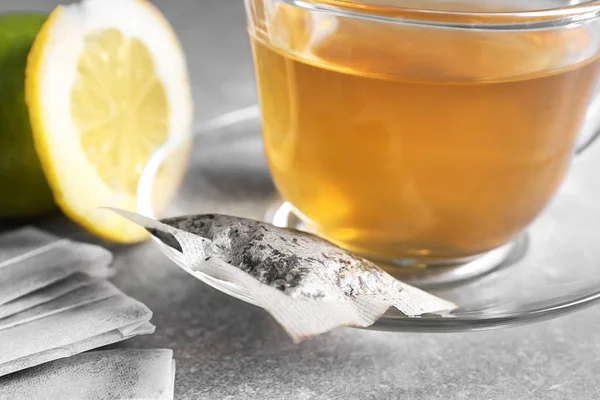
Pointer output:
398, 143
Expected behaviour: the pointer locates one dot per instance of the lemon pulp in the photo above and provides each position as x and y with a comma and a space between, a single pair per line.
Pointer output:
119, 106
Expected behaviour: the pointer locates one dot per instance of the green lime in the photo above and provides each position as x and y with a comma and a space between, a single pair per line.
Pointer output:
23, 188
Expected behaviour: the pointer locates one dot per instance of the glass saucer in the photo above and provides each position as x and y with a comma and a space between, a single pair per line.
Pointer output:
553, 269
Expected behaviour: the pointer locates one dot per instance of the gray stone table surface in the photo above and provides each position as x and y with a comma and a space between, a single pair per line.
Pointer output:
226, 349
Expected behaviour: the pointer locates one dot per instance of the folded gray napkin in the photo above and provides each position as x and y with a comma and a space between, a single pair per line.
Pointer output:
98, 375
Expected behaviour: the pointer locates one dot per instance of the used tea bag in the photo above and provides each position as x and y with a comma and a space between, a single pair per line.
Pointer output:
307, 284
111, 375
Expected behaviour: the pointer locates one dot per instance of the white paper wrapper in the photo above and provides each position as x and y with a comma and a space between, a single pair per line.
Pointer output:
22, 241
98, 375
44, 265
77, 298
46, 294
54, 302
71, 331
307, 284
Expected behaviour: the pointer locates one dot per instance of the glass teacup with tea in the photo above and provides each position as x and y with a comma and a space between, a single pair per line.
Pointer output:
423, 134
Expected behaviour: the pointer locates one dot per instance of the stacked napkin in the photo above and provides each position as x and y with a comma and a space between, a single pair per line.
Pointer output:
55, 301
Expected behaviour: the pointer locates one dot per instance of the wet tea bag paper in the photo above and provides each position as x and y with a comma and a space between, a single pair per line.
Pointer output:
307, 284
97, 375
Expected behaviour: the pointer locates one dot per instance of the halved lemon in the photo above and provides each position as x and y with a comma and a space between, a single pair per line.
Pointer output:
106, 87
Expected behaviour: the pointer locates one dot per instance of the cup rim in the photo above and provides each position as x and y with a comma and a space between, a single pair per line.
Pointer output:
542, 19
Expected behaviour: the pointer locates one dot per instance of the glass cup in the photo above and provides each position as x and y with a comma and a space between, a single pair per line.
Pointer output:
429, 136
